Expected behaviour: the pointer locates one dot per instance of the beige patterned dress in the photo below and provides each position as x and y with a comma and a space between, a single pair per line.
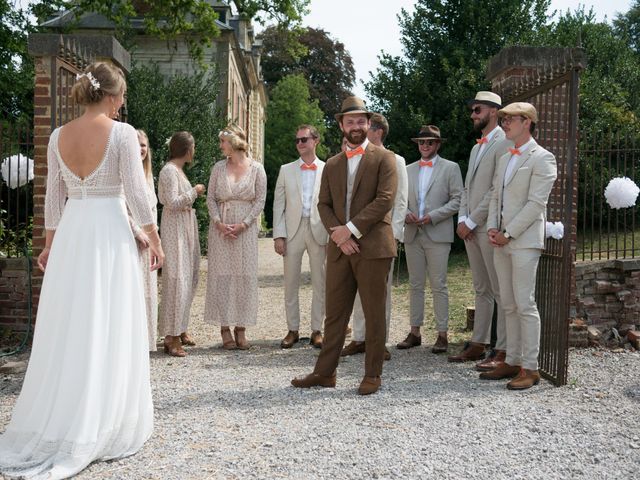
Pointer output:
179, 232
232, 280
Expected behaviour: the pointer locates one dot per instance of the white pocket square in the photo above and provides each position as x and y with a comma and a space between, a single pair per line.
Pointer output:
523, 168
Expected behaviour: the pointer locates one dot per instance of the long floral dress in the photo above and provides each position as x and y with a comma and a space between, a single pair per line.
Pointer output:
179, 232
232, 279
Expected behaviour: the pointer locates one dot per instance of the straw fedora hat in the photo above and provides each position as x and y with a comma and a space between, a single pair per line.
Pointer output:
351, 105
486, 98
428, 132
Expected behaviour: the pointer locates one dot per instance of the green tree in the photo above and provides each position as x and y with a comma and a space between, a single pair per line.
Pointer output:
161, 106
290, 105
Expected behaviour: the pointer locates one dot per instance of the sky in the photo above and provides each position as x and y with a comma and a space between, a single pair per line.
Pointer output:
353, 21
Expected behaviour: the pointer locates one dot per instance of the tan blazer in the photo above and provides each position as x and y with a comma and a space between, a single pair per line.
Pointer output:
287, 203
442, 200
371, 201
476, 195
522, 198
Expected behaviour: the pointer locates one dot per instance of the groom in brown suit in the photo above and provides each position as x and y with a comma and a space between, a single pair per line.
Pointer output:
356, 196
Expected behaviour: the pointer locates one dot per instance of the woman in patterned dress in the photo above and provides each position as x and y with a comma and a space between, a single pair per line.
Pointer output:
237, 192
181, 242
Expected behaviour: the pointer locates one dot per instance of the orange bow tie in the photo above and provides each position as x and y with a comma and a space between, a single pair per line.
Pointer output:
304, 166
482, 140
514, 151
426, 163
355, 151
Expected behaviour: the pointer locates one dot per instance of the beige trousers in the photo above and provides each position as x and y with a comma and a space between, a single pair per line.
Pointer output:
358, 322
296, 246
516, 269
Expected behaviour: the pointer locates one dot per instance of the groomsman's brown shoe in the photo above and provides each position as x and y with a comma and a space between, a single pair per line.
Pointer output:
387, 354
525, 379
353, 348
504, 370
369, 385
291, 338
472, 352
441, 345
314, 380
316, 339
410, 342
492, 361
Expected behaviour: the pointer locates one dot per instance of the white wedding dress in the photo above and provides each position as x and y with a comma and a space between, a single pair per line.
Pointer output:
86, 394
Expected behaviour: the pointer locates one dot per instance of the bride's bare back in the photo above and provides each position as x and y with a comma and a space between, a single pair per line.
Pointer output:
82, 144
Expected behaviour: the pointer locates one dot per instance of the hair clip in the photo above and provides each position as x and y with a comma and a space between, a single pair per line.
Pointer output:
95, 84
225, 133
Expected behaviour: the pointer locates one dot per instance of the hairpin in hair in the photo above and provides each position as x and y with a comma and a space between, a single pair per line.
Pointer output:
225, 133
95, 84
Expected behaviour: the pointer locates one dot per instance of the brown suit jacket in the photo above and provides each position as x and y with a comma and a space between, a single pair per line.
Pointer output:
371, 202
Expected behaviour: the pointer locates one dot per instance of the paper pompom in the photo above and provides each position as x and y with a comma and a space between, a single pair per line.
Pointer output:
621, 192
17, 170
555, 230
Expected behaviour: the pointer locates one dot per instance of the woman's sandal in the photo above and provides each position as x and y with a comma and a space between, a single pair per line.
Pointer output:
241, 345
229, 344
186, 340
173, 347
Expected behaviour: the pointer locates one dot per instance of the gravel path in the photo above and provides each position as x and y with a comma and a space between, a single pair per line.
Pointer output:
233, 415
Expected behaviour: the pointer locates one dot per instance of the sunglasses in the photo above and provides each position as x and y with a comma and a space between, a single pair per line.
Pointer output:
427, 142
302, 139
476, 110
508, 118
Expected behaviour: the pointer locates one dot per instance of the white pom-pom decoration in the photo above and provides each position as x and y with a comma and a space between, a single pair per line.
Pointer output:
555, 230
17, 170
621, 192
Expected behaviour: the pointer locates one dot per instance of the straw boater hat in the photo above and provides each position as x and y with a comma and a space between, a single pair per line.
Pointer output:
352, 105
428, 132
486, 98
520, 108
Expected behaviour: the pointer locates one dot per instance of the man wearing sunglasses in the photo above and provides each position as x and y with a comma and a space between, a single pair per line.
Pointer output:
435, 188
297, 228
472, 228
516, 228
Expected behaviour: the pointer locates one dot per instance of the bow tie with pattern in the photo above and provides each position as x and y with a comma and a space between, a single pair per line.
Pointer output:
515, 151
426, 163
482, 140
355, 151
304, 166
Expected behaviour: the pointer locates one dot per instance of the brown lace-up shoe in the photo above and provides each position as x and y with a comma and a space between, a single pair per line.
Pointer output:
291, 338
369, 385
504, 370
473, 351
410, 342
525, 379
353, 348
316, 339
314, 380
492, 361
441, 344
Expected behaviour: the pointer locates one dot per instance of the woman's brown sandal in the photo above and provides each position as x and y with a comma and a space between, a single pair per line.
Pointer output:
173, 347
230, 343
185, 339
241, 345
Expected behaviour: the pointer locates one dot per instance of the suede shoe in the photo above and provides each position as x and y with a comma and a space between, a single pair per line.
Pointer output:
525, 379
316, 339
472, 351
503, 370
314, 380
492, 361
353, 348
291, 338
369, 385
441, 345
410, 342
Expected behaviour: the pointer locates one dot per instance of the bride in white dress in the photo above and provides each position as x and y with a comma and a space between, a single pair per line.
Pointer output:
86, 395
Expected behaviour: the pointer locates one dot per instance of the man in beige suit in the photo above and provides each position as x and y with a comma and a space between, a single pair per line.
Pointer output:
516, 227
435, 188
296, 228
356, 197
377, 133
472, 228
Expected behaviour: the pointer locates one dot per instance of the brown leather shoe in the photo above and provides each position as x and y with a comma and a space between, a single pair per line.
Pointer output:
525, 379
314, 380
369, 385
316, 339
387, 354
410, 342
353, 348
291, 338
473, 351
441, 345
492, 361
503, 370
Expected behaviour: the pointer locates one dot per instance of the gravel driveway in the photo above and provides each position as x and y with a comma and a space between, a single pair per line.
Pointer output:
233, 415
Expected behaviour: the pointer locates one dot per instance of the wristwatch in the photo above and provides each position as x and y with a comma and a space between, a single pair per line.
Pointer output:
506, 235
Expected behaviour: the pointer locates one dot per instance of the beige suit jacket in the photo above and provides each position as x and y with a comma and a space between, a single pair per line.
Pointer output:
522, 198
287, 203
442, 200
476, 196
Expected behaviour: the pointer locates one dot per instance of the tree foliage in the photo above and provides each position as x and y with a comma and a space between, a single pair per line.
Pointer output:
290, 105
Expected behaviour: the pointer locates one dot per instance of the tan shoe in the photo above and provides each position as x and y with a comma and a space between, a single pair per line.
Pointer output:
186, 340
410, 342
291, 338
503, 370
441, 345
241, 340
316, 339
472, 352
228, 343
387, 354
353, 348
369, 385
525, 379
173, 347
492, 361
314, 380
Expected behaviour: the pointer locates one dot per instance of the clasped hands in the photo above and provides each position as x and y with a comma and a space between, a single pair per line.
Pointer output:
497, 238
231, 230
464, 232
412, 219
341, 236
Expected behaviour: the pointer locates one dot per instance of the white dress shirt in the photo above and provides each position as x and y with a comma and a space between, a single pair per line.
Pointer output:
514, 159
353, 164
423, 183
308, 182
